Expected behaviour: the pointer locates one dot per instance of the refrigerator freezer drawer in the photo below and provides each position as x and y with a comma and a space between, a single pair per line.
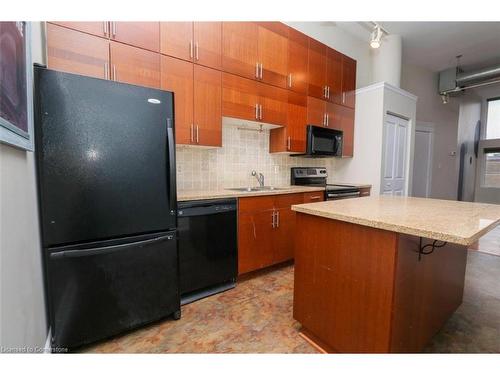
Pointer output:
103, 291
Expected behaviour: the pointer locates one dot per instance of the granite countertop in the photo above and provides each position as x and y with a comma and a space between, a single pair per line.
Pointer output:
451, 221
188, 195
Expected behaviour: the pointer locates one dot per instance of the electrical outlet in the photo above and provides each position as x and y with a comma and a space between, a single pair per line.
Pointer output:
179, 168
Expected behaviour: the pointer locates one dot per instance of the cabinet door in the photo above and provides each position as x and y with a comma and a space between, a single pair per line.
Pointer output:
297, 61
273, 53
284, 236
347, 126
75, 52
94, 28
177, 76
240, 97
138, 34
208, 44
274, 104
297, 122
134, 65
176, 39
208, 106
334, 75
317, 69
316, 111
255, 231
240, 48
348, 81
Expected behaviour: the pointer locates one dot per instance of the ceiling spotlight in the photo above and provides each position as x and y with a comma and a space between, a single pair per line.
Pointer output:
376, 37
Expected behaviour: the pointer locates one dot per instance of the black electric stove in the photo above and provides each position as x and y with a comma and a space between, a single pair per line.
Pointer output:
317, 176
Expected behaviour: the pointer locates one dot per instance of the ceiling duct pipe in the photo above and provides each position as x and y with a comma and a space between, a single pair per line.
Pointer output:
452, 81
479, 76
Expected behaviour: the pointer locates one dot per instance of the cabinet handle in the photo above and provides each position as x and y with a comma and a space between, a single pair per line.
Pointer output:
288, 143
115, 78
343, 97
324, 92
273, 223
106, 71
315, 197
260, 112
105, 28
114, 28
277, 219
256, 111
192, 133
257, 70
196, 51
197, 134
327, 119
261, 70
328, 91
191, 49
290, 80
324, 119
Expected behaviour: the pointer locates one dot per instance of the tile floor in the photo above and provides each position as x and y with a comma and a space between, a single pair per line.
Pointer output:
256, 317
489, 243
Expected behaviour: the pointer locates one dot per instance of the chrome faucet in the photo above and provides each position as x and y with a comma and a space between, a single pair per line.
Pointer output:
259, 178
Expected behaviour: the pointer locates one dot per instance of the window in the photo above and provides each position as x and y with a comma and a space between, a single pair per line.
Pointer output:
492, 168
493, 119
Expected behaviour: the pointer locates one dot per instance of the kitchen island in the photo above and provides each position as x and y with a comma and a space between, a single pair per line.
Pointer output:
382, 274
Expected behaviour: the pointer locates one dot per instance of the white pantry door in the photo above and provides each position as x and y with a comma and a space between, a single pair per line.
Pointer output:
394, 173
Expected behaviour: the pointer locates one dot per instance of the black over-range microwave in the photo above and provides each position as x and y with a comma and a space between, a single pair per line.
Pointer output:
322, 142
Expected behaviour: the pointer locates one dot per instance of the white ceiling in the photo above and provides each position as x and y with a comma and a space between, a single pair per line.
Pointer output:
434, 45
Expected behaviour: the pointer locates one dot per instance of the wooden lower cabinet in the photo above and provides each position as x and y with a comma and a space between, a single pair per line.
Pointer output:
77, 52
134, 65
313, 197
266, 227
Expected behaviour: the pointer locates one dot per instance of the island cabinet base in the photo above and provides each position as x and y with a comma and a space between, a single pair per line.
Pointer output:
359, 289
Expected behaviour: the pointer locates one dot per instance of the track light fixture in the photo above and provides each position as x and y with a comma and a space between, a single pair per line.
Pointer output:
376, 37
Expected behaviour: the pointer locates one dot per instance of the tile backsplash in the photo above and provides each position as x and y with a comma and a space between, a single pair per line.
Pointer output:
232, 164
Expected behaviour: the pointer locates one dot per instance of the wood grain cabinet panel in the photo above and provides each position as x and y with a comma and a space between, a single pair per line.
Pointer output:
343, 119
240, 48
208, 106
75, 52
134, 65
240, 97
334, 76
313, 197
292, 137
298, 52
274, 104
95, 28
316, 111
317, 69
208, 44
176, 39
273, 53
348, 82
177, 76
138, 34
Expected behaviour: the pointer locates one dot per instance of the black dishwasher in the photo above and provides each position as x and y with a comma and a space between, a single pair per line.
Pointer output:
208, 247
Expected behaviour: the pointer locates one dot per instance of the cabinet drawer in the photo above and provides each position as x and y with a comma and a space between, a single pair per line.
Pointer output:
315, 196
287, 200
251, 204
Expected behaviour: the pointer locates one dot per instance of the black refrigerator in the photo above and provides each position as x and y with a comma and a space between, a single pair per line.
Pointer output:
107, 194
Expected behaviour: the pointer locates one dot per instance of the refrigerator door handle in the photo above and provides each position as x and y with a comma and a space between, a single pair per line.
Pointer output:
107, 249
172, 196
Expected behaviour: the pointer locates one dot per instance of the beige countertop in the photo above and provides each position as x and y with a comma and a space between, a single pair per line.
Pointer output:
188, 195
451, 221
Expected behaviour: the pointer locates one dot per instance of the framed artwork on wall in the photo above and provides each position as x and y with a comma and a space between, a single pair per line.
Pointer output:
16, 85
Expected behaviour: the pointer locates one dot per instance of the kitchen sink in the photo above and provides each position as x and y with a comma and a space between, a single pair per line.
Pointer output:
255, 188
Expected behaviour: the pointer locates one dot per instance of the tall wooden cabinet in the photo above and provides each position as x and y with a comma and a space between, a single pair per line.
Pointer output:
298, 53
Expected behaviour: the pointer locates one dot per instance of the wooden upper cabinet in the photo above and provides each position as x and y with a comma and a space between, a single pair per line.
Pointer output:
348, 81
292, 137
134, 65
177, 76
274, 104
240, 48
345, 123
176, 39
317, 69
298, 52
95, 28
334, 75
139, 34
273, 53
240, 97
316, 111
75, 52
207, 106
207, 38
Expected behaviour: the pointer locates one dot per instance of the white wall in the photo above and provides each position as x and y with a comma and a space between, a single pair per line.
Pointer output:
444, 118
22, 309
386, 61
372, 105
344, 42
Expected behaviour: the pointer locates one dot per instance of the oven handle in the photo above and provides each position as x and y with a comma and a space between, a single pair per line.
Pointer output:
340, 195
